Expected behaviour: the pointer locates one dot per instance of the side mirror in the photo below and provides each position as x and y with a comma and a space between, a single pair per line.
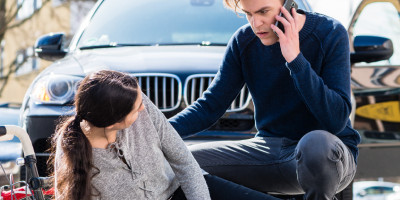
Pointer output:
50, 46
371, 48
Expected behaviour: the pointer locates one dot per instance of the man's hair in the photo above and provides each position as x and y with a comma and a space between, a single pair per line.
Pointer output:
234, 4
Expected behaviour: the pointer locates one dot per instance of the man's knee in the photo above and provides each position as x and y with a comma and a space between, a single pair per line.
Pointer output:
321, 163
316, 147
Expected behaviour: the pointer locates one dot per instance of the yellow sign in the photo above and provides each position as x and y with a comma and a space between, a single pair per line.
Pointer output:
385, 111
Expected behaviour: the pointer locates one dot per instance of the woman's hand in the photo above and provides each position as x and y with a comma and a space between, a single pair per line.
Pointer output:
289, 41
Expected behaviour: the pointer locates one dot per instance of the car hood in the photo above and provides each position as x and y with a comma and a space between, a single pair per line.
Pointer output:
152, 59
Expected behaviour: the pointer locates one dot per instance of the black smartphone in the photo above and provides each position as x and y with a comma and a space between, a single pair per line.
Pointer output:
289, 4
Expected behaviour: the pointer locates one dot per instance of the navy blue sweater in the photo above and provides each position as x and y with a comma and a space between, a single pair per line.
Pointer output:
290, 99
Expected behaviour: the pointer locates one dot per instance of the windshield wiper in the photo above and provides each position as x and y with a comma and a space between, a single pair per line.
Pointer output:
112, 45
204, 43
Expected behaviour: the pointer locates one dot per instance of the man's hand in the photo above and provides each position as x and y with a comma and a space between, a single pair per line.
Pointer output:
289, 41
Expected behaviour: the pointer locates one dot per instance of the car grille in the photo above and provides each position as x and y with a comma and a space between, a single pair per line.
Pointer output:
164, 90
196, 84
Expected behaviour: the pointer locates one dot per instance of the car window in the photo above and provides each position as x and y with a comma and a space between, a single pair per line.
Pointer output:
149, 22
380, 19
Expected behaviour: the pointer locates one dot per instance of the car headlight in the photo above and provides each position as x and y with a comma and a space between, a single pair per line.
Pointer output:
55, 89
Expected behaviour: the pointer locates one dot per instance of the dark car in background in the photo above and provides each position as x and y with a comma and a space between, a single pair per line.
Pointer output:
175, 49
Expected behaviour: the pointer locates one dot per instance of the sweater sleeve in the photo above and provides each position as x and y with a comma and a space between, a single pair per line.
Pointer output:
214, 102
184, 165
326, 95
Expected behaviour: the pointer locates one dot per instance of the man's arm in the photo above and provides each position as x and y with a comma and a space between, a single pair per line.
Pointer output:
326, 95
216, 99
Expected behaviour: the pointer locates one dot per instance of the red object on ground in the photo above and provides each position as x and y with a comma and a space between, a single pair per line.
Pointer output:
19, 193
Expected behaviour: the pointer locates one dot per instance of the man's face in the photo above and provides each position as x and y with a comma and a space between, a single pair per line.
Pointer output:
261, 14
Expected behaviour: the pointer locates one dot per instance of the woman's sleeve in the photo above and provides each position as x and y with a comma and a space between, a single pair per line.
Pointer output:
184, 165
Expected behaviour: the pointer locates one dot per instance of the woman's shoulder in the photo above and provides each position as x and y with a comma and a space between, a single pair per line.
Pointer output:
148, 104
152, 110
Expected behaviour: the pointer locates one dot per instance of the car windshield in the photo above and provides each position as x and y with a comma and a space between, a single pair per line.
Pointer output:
159, 22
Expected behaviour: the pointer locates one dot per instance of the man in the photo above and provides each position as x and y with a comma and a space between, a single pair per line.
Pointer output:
300, 85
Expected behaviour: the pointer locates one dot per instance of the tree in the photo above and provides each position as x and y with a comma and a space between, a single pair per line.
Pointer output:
8, 22
9, 11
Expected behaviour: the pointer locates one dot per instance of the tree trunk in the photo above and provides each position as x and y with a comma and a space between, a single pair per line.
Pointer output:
2, 17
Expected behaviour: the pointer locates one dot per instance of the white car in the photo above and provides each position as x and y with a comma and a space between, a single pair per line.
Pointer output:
376, 190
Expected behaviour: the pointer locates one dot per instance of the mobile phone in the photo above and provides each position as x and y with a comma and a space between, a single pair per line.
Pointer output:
289, 4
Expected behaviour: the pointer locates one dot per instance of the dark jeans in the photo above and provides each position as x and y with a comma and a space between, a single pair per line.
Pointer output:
319, 165
221, 189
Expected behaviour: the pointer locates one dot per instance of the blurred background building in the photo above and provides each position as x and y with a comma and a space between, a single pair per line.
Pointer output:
21, 23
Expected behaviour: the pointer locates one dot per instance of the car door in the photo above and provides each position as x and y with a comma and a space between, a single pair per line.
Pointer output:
376, 86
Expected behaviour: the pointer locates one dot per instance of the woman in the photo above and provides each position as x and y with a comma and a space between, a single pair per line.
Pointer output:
120, 146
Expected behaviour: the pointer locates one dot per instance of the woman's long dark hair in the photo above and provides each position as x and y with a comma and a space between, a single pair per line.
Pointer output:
103, 98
